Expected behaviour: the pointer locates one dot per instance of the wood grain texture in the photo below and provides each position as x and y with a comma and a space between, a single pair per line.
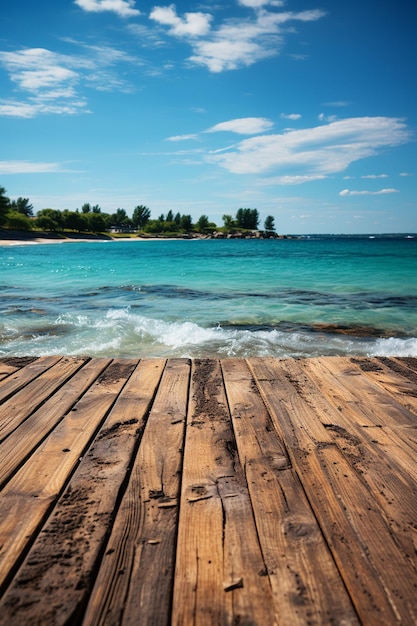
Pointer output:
144, 531
378, 574
21, 377
31, 492
289, 534
219, 578
23, 440
61, 563
228, 492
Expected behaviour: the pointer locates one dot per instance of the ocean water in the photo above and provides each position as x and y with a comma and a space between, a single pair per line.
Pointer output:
196, 298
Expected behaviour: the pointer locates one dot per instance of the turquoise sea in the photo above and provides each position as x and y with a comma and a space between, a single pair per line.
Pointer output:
195, 298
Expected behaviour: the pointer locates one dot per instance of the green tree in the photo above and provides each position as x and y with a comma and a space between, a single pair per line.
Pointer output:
177, 219
141, 216
171, 226
56, 219
18, 221
186, 223
203, 223
247, 218
45, 222
22, 206
96, 222
74, 220
4, 206
96, 209
86, 208
269, 224
170, 216
228, 221
155, 226
120, 219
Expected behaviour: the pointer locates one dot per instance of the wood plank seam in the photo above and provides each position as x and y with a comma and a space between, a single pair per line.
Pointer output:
77, 496
322, 461
253, 491
17, 380
45, 502
31, 435
137, 540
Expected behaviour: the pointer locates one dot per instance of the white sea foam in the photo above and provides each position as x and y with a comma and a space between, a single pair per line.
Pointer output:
394, 347
119, 332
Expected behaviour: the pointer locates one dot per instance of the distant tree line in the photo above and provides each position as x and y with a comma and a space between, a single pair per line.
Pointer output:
18, 215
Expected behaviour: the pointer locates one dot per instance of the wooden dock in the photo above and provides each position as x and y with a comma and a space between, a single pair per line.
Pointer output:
208, 492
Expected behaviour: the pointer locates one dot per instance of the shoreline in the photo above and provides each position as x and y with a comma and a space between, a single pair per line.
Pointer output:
23, 238
17, 240
40, 241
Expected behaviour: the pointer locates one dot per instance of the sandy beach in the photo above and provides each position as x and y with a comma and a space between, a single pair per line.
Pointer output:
15, 238
37, 241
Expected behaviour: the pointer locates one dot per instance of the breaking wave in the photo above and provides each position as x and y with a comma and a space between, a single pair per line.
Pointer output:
119, 332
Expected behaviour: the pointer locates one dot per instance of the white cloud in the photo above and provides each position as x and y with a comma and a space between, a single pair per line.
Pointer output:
375, 176
123, 8
223, 54
322, 150
327, 118
257, 4
348, 192
243, 126
41, 106
192, 25
182, 137
292, 180
51, 81
27, 167
26, 110
147, 37
37, 68
237, 42
290, 116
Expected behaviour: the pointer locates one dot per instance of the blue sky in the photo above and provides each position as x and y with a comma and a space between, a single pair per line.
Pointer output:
304, 110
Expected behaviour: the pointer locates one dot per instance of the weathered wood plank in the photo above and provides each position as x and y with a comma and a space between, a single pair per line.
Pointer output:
398, 384
373, 451
6, 369
15, 410
408, 362
398, 380
134, 583
18, 446
220, 575
380, 578
364, 408
298, 498
20, 378
30, 494
306, 585
61, 563
9, 365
